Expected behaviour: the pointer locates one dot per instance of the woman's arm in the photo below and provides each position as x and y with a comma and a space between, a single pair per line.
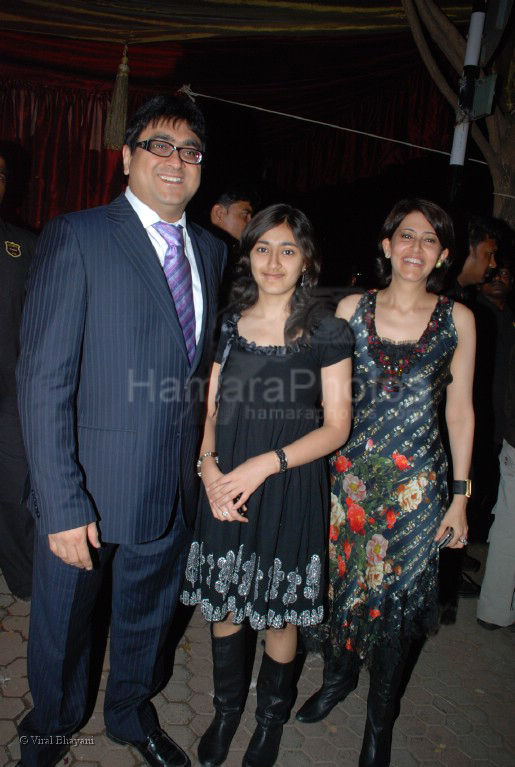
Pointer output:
208, 441
459, 416
209, 468
337, 404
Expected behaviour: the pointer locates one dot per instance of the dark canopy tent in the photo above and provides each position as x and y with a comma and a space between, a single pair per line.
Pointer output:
153, 21
351, 66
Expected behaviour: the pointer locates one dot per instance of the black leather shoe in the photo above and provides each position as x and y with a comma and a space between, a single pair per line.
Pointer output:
340, 678
158, 750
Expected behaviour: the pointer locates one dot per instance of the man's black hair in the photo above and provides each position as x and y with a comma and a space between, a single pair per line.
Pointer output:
175, 107
234, 194
481, 228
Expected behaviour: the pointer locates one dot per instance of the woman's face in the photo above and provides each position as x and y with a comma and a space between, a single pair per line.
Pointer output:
414, 248
276, 261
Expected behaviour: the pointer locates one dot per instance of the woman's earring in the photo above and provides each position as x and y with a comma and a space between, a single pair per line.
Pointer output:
387, 254
303, 278
439, 263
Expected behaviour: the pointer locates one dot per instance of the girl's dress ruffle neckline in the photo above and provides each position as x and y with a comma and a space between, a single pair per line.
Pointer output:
271, 351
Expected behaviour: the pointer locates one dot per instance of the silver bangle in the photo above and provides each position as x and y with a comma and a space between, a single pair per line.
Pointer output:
283, 460
207, 454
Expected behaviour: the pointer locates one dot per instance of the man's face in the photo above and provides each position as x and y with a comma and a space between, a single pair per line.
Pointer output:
165, 184
483, 259
3, 178
499, 285
235, 218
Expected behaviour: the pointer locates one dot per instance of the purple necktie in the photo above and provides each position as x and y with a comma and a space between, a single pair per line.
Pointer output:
178, 274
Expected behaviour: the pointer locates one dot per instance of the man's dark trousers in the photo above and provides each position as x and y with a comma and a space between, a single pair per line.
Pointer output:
141, 618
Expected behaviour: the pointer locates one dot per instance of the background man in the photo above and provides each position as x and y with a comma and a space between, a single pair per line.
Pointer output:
495, 323
17, 248
482, 245
232, 212
116, 334
228, 217
496, 606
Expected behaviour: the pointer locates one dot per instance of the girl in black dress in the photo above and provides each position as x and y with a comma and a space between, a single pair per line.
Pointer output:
263, 469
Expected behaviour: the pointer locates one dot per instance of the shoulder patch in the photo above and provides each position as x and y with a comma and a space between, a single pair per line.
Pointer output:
13, 249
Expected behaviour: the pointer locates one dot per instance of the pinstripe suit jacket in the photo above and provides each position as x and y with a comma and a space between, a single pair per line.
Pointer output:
110, 407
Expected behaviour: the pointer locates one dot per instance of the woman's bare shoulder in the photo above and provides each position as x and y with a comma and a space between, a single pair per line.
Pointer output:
463, 317
347, 306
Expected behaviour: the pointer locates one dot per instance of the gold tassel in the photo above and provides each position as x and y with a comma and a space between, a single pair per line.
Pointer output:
117, 110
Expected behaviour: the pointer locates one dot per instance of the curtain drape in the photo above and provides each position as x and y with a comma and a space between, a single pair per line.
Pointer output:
57, 116
60, 130
413, 111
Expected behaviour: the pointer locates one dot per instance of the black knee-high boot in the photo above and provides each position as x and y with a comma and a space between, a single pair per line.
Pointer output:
274, 695
385, 680
229, 676
340, 677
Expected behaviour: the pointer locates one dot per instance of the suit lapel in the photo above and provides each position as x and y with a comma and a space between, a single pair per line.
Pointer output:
138, 249
195, 235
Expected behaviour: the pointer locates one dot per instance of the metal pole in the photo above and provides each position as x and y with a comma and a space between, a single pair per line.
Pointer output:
466, 98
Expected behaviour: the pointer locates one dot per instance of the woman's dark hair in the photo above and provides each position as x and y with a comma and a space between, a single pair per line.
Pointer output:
441, 223
244, 291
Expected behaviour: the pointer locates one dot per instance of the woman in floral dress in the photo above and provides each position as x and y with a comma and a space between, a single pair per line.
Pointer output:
262, 527
389, 483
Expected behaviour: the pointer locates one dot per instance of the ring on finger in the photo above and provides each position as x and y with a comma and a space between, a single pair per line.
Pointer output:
225, 513
463, 540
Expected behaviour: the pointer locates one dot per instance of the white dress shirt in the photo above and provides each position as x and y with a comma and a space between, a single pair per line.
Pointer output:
148, 218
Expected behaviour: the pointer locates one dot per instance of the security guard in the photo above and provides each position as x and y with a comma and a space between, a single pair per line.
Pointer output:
17, 247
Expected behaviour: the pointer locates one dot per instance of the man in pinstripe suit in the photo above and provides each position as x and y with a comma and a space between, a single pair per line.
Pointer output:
110, 397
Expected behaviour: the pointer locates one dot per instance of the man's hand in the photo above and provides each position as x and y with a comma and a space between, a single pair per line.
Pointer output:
72, 545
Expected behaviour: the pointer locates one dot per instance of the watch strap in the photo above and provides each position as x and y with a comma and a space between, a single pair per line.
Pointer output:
462, 487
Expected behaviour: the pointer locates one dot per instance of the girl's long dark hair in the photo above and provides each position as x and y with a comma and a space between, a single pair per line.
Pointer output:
244, 290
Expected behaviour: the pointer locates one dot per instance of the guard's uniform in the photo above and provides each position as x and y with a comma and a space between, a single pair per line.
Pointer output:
17, 247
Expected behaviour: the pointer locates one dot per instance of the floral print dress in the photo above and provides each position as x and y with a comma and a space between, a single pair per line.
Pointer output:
389, 488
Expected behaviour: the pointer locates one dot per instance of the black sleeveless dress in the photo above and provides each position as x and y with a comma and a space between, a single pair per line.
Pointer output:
270, 570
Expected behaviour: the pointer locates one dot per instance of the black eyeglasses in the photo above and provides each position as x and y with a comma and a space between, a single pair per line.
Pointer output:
165, 149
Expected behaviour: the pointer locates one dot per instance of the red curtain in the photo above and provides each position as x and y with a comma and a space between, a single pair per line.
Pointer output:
413, 111
54, 95
61, 131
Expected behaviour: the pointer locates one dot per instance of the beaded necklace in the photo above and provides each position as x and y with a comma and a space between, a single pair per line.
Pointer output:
393, 369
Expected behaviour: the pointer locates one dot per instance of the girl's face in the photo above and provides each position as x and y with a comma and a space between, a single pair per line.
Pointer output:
276, 261
414, 248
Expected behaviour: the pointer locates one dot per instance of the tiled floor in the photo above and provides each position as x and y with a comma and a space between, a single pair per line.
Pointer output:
458, 709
